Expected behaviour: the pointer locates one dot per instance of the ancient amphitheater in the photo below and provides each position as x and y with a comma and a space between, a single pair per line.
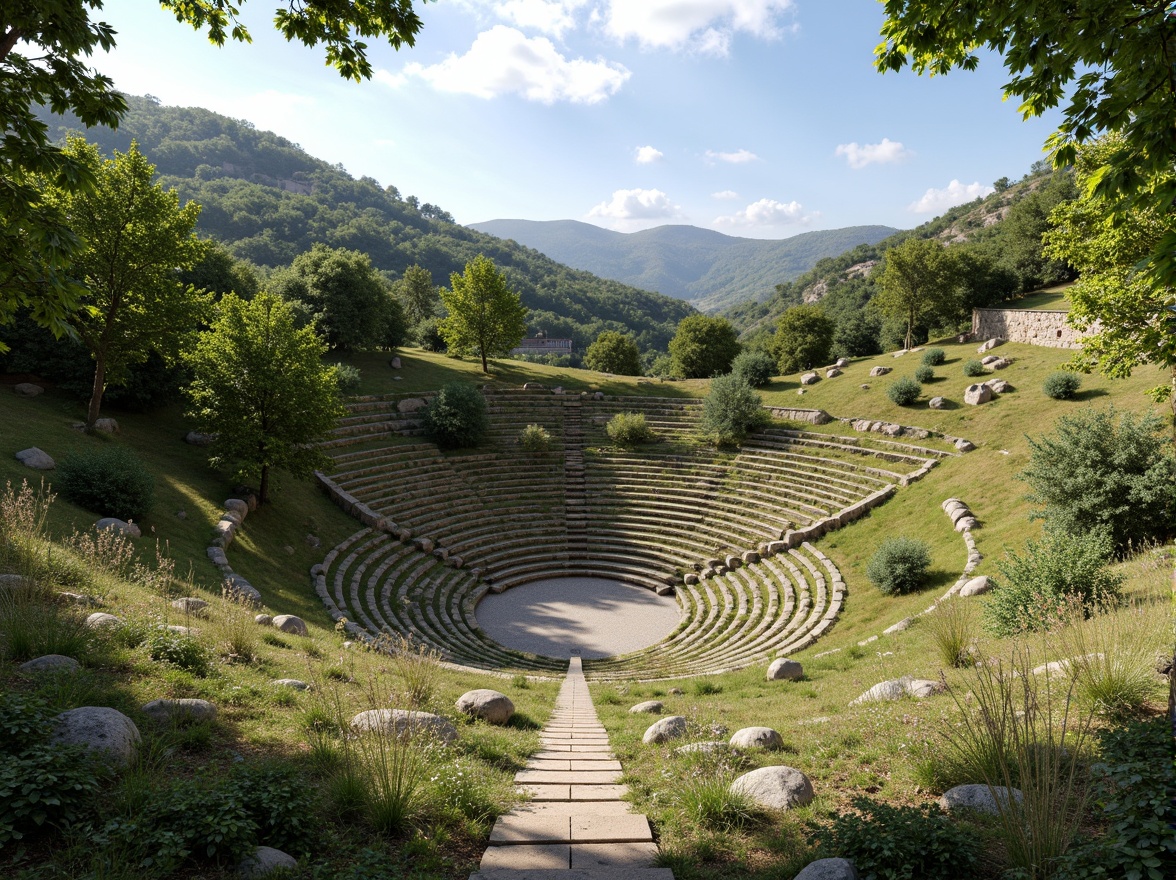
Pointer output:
728, 535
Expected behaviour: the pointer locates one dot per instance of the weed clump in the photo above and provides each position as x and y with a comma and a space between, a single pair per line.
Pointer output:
629, 429
755, 367
732, 410
534, 439
934, 357
924, 374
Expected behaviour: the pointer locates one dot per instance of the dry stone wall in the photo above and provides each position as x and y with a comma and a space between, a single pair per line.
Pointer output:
1033, 327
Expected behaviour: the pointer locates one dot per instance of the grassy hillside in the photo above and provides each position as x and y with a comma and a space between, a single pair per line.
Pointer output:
711, 270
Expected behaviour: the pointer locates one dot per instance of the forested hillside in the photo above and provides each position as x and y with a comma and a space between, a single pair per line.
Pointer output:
709, 269
267, 200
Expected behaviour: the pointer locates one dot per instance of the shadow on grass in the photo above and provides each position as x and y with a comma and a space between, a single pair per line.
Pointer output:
1090, 394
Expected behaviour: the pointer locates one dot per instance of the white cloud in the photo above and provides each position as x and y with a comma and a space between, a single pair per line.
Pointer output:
503, 60
725, 195
546, 16
636, 204
767, 212
739, 157
705, 26
955, 193
861, 155
648, 155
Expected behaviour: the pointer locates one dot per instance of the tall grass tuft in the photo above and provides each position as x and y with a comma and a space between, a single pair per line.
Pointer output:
23, 515
703, 797
393, 759
1017, 731
953, 626
415, 667
105, 549
234, 628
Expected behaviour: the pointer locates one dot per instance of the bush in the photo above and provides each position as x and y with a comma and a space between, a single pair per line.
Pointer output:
179, 650
901, 843
1056, 575
535, 438
905, 391
614, 352
924, 374
804, 338
731, 410
934, 357
974, 368
1061, 385
348, 378
457, 417
1103, 470
755, 367
703, 346
109, 480
628, 429
899, 565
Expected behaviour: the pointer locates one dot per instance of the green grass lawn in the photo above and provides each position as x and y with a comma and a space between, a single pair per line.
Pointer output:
1056, 298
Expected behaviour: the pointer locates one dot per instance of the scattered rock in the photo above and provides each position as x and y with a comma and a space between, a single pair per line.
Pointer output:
73, 598
27, 389
236, 586
181, 514
117, 525
937, 403
13, 582
990, 345
106, 426
217, 556
828, 869
653, 707
881, 692
979, 797
810, 379
394, 363
964, 445
976, 586
400, 722
757, 738
921, 688
880, 371
704, 747
999, 386
677, 692
832, 373
50, 663
990, 360
491, 706
1000, 363
37, 459
101, 620
264, 861
263, 620
313, 542
190, 605
901, 626
100, 729
166, 711
533, 386
294, 683
977, 394
198, 438
776, 788
238, 506
842, 363
411, 405
864, 387
288, 623
665, 730
783, 669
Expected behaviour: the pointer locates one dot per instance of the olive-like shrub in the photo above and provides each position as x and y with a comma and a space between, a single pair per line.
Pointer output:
904, 391
1061, 385
974, 368
629, 429
899, 565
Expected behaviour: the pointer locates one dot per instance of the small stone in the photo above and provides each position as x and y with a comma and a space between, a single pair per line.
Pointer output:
901, 626
842, 363
783, 669
489, 705
37, 459
106, 426
238, 506
665, 730
394, 363
880, 371
964, 445
100, 729
236, 586
937, 403
117, 525
828, 869
181, 514
810, 379
999, 386
294, 683
881, 692
290, 624
101, 620
190, 605
400, 722
313, 542
164, 710
976, 586
978, 797
776, 788
832, 373
263, 620
677, 692
198, 438
27, 389
653, 707
264, 861
757, 738
921, 688
50, 663
989, 345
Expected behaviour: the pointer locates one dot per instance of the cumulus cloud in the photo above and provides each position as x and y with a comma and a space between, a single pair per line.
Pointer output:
636, 204
767, 212
861, 155
725, 195
739, 157
955, 193
648, 155
553, 17
705, 26
504, 61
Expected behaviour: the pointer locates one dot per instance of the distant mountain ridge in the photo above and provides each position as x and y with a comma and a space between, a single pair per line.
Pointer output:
710, 270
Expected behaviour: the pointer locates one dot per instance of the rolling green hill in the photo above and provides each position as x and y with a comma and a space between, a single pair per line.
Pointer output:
710, 270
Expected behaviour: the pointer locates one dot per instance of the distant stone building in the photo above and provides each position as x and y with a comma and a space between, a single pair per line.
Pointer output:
543, 345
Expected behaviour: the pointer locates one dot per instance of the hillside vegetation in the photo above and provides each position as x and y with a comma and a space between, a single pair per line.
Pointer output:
711, 270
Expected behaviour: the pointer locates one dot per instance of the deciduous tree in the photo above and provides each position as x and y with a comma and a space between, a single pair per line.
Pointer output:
260, 385
804, 338
704, 346
917, 284
485, 315
614, 352
417, 294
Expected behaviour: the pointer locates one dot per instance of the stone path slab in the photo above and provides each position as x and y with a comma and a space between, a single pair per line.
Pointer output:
575, 827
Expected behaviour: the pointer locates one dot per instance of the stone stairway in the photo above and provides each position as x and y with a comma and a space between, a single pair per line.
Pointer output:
575, 497
575, 827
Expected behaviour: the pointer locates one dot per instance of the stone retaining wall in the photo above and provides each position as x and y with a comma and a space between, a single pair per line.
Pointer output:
1045, 328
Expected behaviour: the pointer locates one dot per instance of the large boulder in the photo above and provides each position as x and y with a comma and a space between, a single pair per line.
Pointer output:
978, 797
106, 426
264, 861
37, 459
27, 389
783, 669
50, 663
114, 524
653, 707
100, 729
974, 395
401, 722
165, 711
810, 379
757, 738
101, 620
828, 869
673, 727
976, 586
491, 706
882, 692
288, 623
775, 788
880, 371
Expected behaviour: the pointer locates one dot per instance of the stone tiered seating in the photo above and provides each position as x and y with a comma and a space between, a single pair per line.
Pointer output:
671, 418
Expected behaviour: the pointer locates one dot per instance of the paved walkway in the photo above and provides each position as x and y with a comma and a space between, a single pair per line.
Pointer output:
576, 826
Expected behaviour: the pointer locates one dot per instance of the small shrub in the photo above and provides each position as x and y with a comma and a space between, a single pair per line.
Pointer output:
457, 417
905, 391
629, 429
901, 843
704, 688
1043, 587
755, 367
110, 480
974, 368
899, 565
179, 650
934, 357
924, 374
535, 438
732, 410
953, 630
1061, 385
348, 378
460, 791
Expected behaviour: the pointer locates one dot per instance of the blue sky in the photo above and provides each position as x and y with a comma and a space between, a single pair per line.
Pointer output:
760, 118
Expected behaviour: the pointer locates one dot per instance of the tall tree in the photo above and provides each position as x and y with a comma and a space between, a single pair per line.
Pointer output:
260, 385
42, 47
1111, 59
917, 284
417, 294
804, 338
704, 346
136, 239
614, 352
485, 315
